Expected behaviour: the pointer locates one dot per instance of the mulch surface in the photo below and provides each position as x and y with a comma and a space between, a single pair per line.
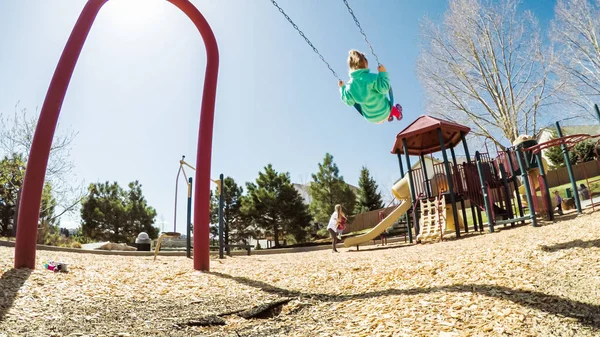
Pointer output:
522, 281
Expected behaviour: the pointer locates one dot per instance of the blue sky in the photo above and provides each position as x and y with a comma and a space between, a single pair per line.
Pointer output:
135, 94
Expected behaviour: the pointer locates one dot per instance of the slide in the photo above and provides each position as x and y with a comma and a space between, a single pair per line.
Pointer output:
533, 176
402, 193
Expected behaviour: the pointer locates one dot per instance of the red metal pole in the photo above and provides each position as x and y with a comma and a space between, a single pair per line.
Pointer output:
205, 135
29, 210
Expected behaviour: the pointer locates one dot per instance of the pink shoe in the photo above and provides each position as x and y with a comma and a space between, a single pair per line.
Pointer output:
395, 112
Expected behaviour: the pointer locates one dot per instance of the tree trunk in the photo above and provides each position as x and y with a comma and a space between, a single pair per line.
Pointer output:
276, 235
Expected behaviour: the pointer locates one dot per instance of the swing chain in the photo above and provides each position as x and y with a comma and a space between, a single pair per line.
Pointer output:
361, 31
306, 39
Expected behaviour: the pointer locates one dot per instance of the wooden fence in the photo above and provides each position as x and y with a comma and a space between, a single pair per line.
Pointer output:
561, 176
366, 220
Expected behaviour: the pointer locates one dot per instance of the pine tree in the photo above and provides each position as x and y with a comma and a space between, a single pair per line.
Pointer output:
214, 208
555, 154
235, 229
296, 218
12, 173
214, 216
140, 217
368, 197
273, 205
111, 213
582, 152
327, 189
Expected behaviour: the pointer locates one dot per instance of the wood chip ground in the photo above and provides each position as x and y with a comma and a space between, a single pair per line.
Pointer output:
522, 281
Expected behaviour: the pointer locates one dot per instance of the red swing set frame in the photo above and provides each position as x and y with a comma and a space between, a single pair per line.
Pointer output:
31, 194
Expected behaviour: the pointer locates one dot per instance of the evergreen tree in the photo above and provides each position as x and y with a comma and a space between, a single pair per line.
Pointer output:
369, 198
555, 154
582, 152
214, 208
214, 234
274, 206
327, 189
48, 206
12, 173
296, 218
113, 214
139, 216
235, 229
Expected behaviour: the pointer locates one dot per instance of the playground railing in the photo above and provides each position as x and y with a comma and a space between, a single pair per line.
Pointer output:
473, 191
419, 180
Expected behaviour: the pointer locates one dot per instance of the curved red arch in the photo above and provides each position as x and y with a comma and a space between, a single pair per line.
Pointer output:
31, 193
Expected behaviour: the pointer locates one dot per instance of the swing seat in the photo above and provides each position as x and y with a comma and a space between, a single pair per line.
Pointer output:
172, 235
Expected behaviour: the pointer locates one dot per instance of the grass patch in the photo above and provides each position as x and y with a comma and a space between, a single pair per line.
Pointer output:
562, 189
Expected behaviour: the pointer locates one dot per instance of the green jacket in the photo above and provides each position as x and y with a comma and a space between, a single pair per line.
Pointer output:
370, 92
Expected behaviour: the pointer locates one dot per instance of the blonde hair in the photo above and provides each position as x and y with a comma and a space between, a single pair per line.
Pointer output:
338, 209
356, 60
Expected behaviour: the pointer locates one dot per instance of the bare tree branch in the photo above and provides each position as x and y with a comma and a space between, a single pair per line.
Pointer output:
16, 136
574, 31
484, 66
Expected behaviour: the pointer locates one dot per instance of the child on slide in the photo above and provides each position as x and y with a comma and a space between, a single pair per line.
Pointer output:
369, 90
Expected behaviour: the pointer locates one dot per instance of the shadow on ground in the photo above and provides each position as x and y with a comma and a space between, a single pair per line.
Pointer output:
378, 247
558, 219
10, 283
587, 314
571, 244
400, 244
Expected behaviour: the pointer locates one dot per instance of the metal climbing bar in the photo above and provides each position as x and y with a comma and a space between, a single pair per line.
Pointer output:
568, 141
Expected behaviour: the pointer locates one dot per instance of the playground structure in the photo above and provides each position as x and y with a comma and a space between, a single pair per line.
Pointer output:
501, 187
175, 234
489, 193
567, 144
425, 136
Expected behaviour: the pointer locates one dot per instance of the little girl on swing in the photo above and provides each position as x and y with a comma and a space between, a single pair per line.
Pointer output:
369, 90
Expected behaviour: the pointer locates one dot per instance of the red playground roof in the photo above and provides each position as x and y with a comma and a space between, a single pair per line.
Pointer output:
422, 137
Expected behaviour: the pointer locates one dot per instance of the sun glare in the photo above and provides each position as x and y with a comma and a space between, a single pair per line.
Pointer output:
135, 12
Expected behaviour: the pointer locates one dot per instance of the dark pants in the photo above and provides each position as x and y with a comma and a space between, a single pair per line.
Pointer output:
333, 238
559, 207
